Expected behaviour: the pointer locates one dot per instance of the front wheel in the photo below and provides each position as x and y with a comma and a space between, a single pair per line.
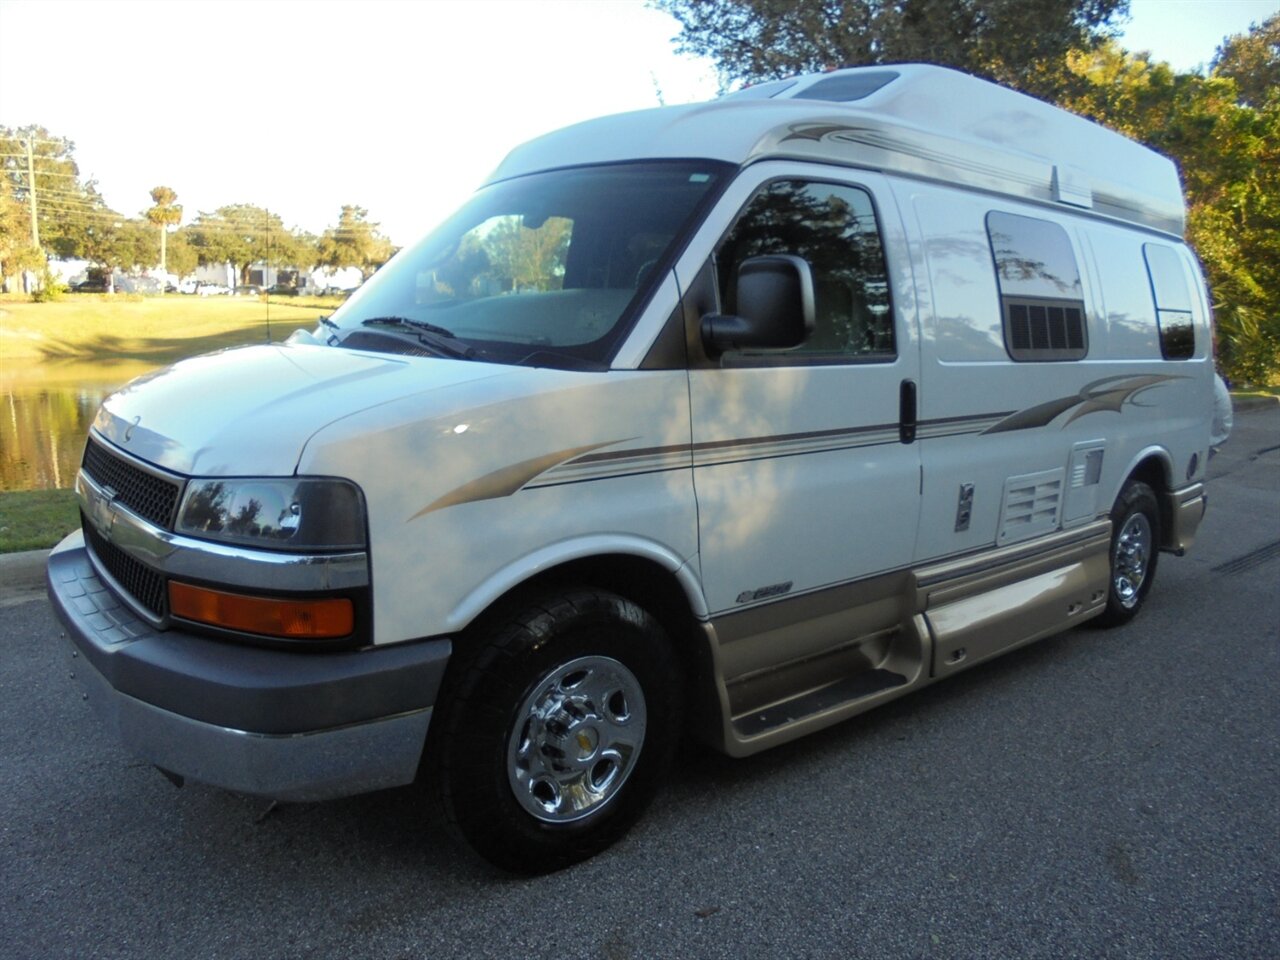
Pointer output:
555, 729
1135, 538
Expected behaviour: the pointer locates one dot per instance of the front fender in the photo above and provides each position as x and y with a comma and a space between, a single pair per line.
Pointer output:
554, 555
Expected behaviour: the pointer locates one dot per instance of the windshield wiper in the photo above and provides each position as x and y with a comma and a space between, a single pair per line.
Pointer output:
443, 341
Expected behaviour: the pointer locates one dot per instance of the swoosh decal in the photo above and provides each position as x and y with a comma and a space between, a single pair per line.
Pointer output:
505, 482
1108, 394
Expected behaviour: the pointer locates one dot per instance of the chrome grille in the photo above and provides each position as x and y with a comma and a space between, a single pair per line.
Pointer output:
150, 497
139, 581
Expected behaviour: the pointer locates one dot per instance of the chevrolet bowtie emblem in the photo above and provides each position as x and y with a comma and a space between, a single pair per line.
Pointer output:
100, 511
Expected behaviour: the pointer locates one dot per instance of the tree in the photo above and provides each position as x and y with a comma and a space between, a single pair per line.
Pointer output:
354, 242
528, 258
181, 257
1229, 157
242, 235
1252, 60
80, 223
16, 252
164, 215
299, 249
64, 204
97, 238
1017, 42
136, 246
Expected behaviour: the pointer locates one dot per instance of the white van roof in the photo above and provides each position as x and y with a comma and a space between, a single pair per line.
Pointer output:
913, 119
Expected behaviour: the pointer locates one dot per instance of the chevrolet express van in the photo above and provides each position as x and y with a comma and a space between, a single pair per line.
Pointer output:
728, 421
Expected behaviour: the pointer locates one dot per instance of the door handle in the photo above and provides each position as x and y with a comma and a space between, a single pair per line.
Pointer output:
907, 411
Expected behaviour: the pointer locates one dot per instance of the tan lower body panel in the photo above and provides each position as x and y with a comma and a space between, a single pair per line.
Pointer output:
800, 664
1185, 509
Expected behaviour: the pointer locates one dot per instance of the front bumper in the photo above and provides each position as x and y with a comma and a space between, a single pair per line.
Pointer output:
305, 725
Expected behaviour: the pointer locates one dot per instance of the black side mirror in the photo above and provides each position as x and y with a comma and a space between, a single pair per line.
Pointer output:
775, 307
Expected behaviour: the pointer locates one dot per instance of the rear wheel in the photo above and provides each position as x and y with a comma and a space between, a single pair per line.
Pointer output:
555, 728
1135, 538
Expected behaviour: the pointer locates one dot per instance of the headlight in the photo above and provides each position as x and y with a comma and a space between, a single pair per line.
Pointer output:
293, 513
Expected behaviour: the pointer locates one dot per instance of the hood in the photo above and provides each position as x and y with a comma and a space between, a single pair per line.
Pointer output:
250, 410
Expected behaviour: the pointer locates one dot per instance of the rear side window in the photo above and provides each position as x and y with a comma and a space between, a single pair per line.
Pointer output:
1041, 301
1173, 301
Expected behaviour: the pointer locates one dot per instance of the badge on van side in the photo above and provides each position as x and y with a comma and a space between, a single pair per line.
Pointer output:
764, 593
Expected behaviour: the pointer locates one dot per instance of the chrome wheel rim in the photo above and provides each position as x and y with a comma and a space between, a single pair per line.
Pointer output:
575, 739
1129, 559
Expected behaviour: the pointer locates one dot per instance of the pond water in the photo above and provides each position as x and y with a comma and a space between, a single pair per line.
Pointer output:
45, 413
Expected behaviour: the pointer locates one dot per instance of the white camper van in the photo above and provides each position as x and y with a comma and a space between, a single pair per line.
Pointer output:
730, 420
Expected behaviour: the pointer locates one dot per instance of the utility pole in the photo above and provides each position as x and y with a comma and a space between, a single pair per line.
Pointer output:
31, 189
266, 264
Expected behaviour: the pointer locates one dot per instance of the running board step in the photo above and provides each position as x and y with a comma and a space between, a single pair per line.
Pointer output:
861, 685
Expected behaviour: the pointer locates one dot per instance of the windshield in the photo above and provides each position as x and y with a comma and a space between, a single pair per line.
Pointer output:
547, 269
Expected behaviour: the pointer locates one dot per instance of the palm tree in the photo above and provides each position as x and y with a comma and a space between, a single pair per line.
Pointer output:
163, 214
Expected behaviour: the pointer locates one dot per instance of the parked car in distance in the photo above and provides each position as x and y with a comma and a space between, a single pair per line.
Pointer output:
282, 290
147, 285
89, 286
248, 290
211, 289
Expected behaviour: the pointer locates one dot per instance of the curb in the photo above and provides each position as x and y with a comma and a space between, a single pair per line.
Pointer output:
22, 576
1253, 403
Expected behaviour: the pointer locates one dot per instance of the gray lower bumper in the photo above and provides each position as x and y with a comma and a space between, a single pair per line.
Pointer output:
320, 725
302, 766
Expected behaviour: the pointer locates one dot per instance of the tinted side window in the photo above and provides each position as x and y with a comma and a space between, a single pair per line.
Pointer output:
1173, 302
1040, 295
834, 228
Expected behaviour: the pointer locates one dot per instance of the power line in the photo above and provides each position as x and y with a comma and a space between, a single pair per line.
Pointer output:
73, 195
45, 173
16, 136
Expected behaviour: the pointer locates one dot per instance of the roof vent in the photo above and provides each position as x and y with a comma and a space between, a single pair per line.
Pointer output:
844, 87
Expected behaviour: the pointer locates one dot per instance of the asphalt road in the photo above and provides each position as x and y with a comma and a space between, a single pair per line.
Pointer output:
1097, 794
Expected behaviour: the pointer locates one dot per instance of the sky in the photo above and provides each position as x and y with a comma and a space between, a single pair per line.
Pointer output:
399, 107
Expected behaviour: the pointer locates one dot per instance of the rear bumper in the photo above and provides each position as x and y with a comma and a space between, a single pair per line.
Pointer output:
272, 723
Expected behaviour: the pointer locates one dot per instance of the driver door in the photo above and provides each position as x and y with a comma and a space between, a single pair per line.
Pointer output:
803, 479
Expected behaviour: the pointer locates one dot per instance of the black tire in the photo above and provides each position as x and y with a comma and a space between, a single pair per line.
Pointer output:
1135, 548
532, 751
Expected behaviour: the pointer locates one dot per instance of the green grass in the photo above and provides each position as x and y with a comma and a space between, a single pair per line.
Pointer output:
155, 330
36, 519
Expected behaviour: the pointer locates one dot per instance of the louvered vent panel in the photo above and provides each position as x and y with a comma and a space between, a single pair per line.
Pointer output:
1080, 501
1032, 505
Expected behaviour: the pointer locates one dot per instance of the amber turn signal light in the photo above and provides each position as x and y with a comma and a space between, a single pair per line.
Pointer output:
295, 619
